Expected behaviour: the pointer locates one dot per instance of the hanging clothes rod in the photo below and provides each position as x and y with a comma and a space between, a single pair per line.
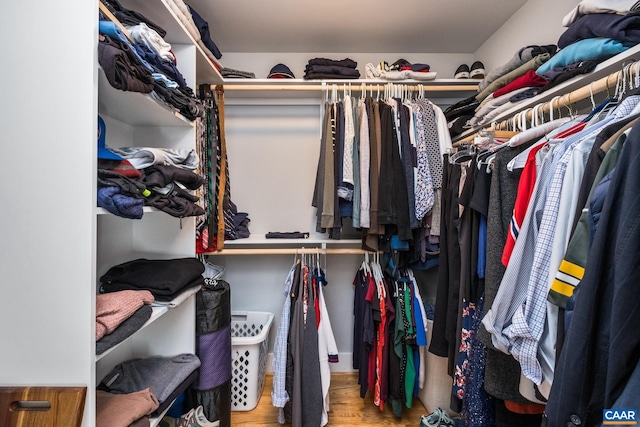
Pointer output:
628, 74
288, 251
607, 84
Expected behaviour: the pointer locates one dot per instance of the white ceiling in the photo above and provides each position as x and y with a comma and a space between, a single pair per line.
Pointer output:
411, 26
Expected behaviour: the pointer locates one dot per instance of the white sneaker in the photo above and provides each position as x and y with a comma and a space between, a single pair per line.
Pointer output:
202, 420
196, 418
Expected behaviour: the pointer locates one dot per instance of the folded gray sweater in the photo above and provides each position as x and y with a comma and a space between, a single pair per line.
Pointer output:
161, 374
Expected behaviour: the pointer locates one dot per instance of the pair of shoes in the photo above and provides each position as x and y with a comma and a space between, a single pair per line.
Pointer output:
196, 418
438, 418
476, 71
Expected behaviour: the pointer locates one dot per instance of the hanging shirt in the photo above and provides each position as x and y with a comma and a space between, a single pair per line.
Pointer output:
365, 159
514, 288
525, 189
279, 395
327, 351
349, 135
425, 131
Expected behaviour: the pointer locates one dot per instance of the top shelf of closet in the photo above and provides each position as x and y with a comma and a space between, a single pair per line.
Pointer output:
605, 68
160, 13
300, 88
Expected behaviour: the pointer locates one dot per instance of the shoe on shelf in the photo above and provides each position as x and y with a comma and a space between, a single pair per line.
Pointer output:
477, 70
196, 418
462, 72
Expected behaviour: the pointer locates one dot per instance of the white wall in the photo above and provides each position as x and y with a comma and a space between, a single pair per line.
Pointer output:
48, 194
537, 22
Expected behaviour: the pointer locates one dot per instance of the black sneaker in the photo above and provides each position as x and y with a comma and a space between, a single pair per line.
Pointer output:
462, 72
477, 70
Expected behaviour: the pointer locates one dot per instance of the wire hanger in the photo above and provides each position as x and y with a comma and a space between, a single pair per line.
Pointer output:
568, 105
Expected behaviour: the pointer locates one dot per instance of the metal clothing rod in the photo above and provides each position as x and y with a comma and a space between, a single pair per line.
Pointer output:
287, 251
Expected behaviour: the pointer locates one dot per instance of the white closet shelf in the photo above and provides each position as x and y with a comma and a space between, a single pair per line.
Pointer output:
157, 312
160, 13
315, 239
145, 209
605, 68
134, 108
263, 246
251, 88
153, 422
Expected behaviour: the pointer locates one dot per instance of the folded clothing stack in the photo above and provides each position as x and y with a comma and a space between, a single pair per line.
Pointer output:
322, 68
128, 409
164, 180
165, 279
166, 377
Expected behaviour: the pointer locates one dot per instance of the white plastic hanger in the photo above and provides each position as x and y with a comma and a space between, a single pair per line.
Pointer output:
366, 267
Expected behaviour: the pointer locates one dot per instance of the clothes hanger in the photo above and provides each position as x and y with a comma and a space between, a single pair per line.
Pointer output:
463, 155
522, 116
367, 264
568, 105
540, 127
611, 102
555, 98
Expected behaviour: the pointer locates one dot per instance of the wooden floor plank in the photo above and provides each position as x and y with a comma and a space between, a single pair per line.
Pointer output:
348, 409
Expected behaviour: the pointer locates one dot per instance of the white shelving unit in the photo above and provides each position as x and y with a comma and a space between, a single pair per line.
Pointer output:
137, 120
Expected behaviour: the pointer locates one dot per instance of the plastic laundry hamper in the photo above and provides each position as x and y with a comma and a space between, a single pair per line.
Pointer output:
249, 344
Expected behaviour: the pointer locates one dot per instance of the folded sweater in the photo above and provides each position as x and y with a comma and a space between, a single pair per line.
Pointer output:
114, 308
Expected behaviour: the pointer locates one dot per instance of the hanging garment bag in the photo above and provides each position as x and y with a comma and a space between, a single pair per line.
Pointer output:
212, 389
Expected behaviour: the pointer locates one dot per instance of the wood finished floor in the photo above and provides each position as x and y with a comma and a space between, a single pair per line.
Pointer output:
348, 409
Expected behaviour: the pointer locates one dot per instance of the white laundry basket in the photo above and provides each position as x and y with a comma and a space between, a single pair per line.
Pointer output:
249, 344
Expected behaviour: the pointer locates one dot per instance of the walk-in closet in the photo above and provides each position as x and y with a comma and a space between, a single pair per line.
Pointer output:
445, 190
